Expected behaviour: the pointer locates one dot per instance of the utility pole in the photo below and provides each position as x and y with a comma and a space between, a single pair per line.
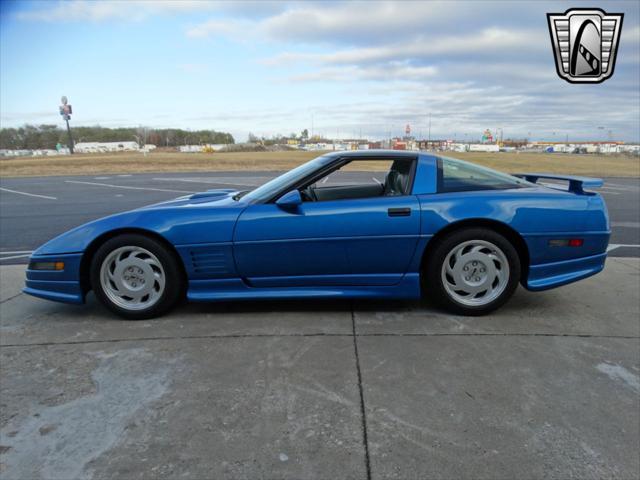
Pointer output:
66, 111
429, 139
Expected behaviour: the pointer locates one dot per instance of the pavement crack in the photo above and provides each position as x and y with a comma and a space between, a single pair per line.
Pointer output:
178, 337
11, 298
363, 411
496, 334
353, 334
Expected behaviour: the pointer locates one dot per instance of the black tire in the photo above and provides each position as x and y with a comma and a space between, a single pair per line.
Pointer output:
174, 285
434, 286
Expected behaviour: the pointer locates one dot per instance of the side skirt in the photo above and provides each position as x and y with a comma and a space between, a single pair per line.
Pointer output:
236, 289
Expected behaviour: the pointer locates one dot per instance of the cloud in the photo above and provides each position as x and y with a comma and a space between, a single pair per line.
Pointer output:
373, 23
104, 10
96, 11
487, 42
396, 71
352, 20
631, 35
237, 29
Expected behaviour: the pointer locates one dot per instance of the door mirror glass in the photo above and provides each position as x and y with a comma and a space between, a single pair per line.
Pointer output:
290, 199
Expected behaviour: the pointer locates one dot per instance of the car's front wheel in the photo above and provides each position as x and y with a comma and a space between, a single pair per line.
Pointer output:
136, 277
472, 271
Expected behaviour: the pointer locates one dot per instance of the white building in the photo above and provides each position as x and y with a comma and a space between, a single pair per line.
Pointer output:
630, 149
106, 147
484, 147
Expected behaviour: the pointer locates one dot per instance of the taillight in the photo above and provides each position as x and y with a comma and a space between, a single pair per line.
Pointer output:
566, 242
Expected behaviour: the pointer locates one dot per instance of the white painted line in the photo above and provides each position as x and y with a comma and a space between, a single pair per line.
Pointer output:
16, 252
126, 187
626, 224
621, 187
101, 178
609, 187
28, 194
613, 246
124, 175
215, 181
15, 256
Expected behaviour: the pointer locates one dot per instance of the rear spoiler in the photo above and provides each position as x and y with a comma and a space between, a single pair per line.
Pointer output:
576, 184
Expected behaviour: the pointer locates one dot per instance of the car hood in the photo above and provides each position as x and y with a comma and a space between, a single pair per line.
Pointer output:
206, 217
213, 198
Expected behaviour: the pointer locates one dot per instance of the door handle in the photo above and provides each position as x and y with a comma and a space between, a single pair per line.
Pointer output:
399, 212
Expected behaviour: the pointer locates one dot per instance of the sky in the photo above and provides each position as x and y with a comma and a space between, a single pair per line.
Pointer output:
339, 69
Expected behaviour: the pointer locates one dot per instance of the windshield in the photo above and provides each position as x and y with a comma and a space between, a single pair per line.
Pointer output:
269, 189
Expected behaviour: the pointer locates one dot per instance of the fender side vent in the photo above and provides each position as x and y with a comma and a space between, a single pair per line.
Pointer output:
210, 262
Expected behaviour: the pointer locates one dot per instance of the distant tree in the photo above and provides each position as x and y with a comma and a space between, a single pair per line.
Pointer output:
47, 136
305, 134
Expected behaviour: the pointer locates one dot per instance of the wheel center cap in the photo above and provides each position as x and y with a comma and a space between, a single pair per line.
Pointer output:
133, 278
474, 272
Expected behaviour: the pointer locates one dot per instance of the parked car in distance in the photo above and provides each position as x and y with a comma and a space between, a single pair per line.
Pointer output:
462, 234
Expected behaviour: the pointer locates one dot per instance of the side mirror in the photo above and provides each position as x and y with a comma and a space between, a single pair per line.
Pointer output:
290, 199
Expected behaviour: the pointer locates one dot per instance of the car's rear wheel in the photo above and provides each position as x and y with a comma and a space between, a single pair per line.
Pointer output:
472, 271
136, 277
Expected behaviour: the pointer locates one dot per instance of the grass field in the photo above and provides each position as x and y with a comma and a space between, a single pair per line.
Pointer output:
594, 165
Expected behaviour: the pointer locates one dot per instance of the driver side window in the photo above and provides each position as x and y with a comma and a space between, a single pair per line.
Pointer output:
362, 179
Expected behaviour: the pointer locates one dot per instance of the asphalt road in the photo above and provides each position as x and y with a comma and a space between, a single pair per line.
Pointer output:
545, 388
34, 210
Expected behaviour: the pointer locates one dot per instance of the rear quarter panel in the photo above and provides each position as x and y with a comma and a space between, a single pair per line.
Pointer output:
538, 214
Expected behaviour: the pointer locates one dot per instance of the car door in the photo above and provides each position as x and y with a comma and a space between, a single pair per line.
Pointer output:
364, 241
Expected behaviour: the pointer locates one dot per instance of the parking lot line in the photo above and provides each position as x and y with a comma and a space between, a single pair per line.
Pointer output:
617, 186
28, 194
613, 246
214, 181
626, 224
15, 256
127, 187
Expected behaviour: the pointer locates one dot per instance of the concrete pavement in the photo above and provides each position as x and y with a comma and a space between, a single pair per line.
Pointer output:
547, 387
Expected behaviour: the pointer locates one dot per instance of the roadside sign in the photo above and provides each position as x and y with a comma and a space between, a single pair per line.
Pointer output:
65, 112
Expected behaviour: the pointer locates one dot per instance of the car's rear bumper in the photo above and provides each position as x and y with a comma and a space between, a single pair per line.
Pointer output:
556, 274
59, 286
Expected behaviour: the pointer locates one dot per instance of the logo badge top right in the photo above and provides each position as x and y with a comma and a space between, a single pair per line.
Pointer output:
585, 43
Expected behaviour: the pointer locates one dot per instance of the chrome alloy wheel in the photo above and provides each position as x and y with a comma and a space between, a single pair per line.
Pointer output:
132, 278
474, 273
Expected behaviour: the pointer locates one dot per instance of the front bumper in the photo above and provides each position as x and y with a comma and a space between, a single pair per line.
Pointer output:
556, 274
59, 286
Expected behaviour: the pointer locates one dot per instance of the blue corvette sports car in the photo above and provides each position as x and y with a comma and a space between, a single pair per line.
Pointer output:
462, 234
